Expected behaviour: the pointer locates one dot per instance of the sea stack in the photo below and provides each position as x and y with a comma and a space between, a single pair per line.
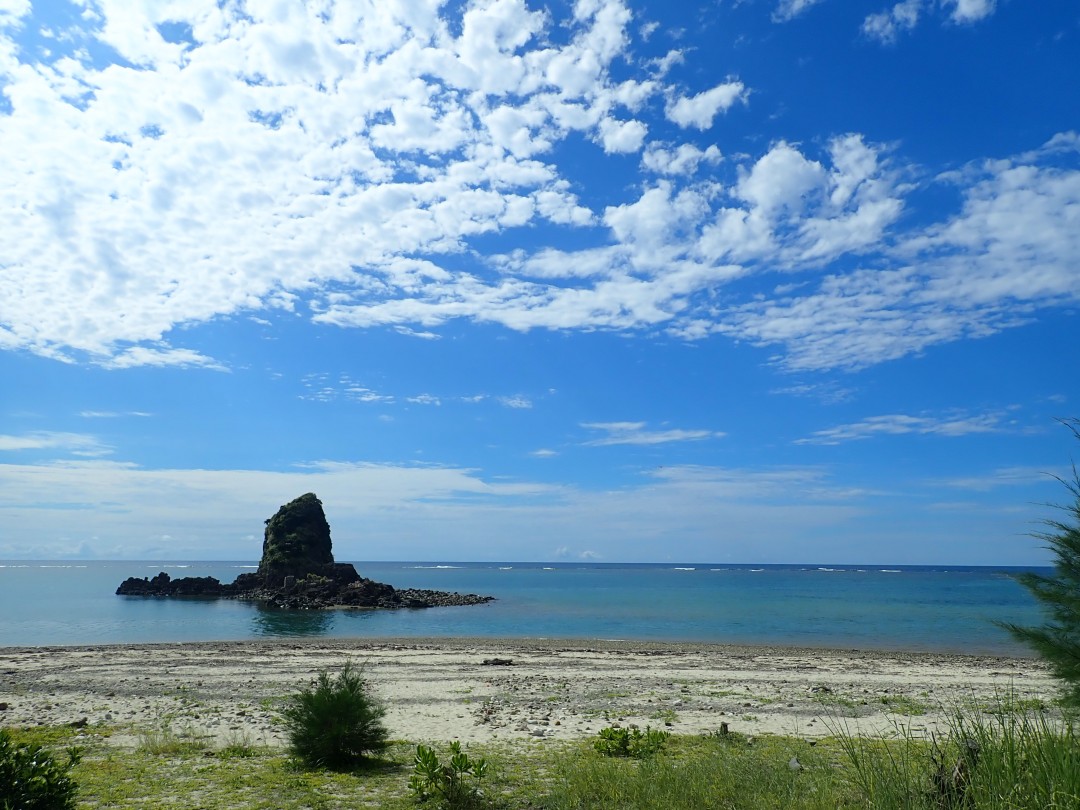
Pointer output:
297, 539
297, 570
296, 544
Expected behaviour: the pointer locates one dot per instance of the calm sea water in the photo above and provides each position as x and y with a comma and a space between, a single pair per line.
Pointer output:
898, 608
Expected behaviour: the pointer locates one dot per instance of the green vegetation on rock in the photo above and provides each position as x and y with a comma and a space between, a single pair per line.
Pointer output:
297, 539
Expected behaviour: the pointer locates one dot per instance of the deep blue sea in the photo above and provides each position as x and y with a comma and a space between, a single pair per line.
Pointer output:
945, 609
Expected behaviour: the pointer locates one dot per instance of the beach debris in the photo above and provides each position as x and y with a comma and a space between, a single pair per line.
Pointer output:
498, 662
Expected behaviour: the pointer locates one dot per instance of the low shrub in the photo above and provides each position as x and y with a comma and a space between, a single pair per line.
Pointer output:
336, 722
616, 741
452, 785
31, 779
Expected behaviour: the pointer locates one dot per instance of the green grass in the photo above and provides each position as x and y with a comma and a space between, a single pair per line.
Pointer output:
166, 740
1027, 758
902, 704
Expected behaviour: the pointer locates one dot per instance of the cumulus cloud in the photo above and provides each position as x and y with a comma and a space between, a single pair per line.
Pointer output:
270, 154
681, 160
971, 10
789, 9
346, 166
887, 25
1006, 254
699, 110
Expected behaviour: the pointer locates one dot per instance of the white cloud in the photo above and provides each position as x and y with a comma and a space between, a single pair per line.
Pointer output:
517, 402
375, 510
12, 10
77, 444
148, 356
971, 10
789, 9
111, 414
622, 136
887, 25
343, 166
781, 180
423, 510
904, 424
699, 110
992, 266
281, 151
424, 399
682, 160
319, 387
633, 433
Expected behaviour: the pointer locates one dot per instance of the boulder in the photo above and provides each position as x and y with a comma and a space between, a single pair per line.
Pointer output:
164, 585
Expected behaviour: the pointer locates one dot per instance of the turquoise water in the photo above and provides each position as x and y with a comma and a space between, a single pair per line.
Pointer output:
895, 608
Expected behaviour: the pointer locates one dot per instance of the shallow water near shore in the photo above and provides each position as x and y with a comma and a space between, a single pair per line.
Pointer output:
938, 609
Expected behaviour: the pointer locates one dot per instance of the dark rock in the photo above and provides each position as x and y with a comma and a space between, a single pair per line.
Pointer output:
297, 572
296, 541
164, 585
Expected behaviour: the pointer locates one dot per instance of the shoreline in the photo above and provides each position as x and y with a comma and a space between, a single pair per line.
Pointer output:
440, 689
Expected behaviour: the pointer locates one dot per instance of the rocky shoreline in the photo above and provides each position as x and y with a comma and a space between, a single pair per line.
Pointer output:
297, 572
316, 593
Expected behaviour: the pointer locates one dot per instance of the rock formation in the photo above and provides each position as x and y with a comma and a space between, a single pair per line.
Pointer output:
296, 541
297, 571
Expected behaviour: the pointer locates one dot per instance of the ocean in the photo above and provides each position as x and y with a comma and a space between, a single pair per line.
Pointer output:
913, 608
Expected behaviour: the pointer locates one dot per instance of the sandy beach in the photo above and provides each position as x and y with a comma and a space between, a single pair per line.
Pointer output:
442, 689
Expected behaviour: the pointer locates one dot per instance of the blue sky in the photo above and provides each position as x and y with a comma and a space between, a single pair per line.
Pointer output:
739, 281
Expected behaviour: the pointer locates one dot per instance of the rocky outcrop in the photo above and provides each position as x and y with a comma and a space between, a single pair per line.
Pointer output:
297, 541
297, 571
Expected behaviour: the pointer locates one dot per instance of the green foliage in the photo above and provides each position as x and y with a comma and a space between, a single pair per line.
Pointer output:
335, 723
452, 785
30, 779
1058, 640
1004, 760
616, 741
297, 533
720, 772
